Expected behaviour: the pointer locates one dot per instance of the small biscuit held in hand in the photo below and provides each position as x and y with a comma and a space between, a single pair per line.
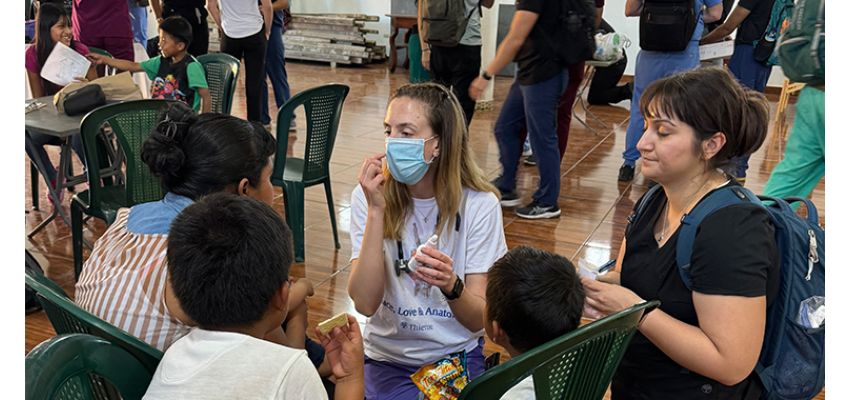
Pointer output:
328, 325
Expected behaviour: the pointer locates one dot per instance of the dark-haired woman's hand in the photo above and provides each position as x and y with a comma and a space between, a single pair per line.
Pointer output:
435, 268
372, 181
607, 298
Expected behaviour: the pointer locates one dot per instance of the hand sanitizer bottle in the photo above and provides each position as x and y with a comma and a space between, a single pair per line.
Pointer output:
432, 243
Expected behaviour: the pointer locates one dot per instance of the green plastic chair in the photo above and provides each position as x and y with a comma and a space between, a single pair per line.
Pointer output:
67, 317
80, 367
221, 71
131, 123
576, 366
107, 70
323, 108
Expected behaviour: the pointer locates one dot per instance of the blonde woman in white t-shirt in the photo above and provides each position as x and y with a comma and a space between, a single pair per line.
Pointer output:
426, 183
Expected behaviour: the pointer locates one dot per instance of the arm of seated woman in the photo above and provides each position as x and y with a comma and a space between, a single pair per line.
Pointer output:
726, 344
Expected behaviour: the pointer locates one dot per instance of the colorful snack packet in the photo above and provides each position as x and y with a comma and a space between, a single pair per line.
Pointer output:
443, 379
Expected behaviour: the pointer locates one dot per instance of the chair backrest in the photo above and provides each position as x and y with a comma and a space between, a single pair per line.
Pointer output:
78, 366
576, 366
107, 70
132, 123
221, 71
323, 109
67, 317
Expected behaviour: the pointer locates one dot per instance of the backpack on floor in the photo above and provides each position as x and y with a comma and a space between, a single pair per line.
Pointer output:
574, 40
667, 25
791, 363
763, 48
802, 46
444, 21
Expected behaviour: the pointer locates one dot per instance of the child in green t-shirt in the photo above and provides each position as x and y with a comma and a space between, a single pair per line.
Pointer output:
175, 75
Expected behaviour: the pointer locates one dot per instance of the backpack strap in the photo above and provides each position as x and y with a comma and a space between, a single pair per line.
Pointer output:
640, 208
716, 200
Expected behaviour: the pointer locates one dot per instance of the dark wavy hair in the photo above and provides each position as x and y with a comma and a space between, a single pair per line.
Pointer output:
197, 155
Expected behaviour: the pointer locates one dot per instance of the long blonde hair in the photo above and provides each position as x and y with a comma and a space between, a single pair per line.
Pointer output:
455, 168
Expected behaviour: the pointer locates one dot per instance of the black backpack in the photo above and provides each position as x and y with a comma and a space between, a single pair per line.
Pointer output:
573, 42
667, 25
444, 21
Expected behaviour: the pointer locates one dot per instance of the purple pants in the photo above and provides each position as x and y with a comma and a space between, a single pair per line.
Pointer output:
390, 381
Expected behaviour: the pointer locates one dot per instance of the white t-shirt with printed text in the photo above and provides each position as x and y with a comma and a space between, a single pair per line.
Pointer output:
414, 324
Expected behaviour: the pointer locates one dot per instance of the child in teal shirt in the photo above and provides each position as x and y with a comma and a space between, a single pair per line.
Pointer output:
174, 75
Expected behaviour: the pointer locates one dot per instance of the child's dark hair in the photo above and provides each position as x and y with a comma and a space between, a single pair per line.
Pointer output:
177, 27
710, 100
534, 295
198, 155
48, 15
227, 256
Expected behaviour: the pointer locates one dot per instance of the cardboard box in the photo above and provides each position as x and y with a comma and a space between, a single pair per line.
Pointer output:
717, 50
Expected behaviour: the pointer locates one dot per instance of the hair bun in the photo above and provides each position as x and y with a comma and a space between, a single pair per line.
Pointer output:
163, 151
753, 124
176, 121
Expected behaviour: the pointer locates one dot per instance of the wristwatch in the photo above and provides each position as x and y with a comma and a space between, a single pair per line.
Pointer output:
457, 289
486, 76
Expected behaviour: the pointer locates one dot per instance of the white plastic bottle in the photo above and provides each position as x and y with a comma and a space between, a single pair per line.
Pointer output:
432, 243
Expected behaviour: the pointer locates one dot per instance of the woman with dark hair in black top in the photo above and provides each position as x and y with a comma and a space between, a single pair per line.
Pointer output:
700, 343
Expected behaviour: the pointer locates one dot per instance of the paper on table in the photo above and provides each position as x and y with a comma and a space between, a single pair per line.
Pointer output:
64, 64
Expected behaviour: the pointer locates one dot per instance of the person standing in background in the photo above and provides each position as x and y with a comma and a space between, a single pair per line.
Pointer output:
276, 63
651, 66
139, 20
194, 12
245, 33
104, 24
456, 67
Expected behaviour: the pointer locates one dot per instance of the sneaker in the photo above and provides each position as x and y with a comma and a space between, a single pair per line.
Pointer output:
530, 160
509, 199
536, 210
526, 148
627, 173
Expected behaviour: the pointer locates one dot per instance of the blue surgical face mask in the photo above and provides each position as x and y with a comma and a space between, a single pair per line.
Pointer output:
406, 159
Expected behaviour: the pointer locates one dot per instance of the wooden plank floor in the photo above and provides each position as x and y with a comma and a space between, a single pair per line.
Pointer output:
594, 205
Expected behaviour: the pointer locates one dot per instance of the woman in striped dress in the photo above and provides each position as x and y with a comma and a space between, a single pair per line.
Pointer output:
124, 281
